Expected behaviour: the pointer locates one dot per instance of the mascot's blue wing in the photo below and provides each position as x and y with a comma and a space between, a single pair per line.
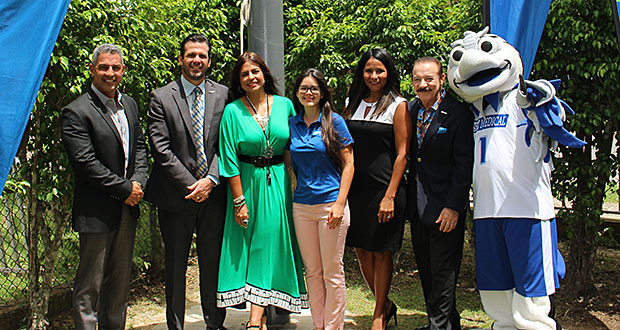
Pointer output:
564, 137
553, 126
548, 115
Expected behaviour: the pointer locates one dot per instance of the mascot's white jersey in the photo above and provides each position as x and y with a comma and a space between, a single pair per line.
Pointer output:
508, 181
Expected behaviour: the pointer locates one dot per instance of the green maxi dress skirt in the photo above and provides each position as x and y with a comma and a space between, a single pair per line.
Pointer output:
261, 263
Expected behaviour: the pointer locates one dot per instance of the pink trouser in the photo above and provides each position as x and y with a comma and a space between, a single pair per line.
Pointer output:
322, 250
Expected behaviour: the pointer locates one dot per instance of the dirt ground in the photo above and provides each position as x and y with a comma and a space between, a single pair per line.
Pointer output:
602, 310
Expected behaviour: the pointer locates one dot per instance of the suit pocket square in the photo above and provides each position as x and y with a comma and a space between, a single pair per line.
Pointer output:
441, 130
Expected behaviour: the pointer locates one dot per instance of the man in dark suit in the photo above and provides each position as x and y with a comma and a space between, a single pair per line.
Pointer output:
438, 189
183, 127
103, 138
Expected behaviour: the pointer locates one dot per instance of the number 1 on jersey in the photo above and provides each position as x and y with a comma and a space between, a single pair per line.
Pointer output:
483, 150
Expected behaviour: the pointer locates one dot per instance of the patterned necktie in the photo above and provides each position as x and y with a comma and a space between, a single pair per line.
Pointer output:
425, 116
198, 118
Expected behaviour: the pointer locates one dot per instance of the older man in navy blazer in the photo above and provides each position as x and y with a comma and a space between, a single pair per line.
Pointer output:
438, 189
103, 138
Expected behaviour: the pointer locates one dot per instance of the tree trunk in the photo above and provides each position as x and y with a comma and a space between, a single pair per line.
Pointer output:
37, 300
156, 243
585, 216
580, 262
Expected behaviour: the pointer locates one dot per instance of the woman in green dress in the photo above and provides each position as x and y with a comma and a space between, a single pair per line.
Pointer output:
260, 260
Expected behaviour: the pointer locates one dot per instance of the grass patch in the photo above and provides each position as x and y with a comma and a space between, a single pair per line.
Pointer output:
406, 292
611, 193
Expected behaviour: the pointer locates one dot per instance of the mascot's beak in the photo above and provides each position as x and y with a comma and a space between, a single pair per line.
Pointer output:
476, 68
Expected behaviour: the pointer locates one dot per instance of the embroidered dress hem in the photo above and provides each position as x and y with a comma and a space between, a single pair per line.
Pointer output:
262, 297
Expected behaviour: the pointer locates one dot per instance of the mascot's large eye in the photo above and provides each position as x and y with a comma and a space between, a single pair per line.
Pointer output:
488, 45
457, 55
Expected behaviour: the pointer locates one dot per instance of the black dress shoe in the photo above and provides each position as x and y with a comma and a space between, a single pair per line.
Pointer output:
220, 328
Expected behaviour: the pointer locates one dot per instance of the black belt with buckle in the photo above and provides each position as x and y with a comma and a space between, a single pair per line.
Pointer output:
261, 161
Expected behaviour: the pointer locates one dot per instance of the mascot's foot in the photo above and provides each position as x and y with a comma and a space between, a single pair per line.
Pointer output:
512, 311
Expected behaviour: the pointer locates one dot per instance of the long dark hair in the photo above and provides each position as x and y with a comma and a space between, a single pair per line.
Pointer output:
331, 139
235, 90
359, 90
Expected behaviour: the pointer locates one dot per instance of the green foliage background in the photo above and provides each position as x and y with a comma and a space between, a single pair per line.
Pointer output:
332, 35
579, 46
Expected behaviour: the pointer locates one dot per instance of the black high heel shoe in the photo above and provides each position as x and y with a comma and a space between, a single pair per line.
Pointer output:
249, 327
391, 313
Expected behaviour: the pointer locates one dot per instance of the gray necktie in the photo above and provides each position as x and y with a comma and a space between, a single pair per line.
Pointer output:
198, 117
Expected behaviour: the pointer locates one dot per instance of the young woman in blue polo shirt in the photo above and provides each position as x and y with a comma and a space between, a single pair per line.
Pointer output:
321, 155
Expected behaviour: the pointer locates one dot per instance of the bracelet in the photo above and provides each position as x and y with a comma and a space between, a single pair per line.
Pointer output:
239, 201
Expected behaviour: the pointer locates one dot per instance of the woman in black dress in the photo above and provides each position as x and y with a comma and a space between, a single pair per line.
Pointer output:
380, 125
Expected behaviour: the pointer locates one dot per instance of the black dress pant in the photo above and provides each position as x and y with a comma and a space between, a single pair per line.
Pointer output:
101, 286
177, 230
438, 256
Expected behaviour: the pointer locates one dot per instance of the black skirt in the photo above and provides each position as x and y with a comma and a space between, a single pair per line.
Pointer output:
374, 151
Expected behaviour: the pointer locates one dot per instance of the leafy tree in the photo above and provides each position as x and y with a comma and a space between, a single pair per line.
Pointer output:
579, 46
332, 35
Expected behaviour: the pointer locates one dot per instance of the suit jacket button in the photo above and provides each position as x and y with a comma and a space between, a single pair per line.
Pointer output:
419, 160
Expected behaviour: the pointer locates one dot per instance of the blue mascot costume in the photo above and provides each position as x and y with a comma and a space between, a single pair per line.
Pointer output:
517, 125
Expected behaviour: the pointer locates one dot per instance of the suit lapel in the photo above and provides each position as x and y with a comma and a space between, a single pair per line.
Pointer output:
209, 106
101, 109
178, 94
440, 116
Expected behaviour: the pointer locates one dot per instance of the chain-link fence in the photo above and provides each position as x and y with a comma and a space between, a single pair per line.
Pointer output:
14, 247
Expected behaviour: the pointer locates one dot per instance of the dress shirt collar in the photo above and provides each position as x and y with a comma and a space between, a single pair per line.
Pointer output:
105, 99
188, 87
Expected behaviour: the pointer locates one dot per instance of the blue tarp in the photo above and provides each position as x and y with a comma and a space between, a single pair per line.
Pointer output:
28, 31
521, 23
615, 10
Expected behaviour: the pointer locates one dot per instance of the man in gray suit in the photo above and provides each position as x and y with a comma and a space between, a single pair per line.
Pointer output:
183, 127
103, 138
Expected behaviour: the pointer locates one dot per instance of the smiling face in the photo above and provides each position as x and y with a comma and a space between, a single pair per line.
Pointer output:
195, 61
251, 77
482, 64
427, 81
375, 75
107, 73
309, 93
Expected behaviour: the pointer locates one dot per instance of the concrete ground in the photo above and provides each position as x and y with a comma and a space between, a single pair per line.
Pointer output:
235, 320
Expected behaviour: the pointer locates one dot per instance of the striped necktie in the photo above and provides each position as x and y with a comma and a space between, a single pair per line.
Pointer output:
198, 117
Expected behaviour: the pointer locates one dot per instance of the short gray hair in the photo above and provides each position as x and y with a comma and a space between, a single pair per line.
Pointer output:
107, 49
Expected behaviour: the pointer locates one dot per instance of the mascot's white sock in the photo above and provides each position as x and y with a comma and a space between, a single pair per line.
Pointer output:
532, 313
511, 311
498, 305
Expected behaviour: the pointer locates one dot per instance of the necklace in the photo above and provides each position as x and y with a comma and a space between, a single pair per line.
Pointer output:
261, 120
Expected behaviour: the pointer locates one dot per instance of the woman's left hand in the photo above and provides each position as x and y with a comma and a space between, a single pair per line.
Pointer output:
334, 218
386, 209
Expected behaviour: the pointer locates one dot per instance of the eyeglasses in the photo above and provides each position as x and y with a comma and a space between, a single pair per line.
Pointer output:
312, 89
